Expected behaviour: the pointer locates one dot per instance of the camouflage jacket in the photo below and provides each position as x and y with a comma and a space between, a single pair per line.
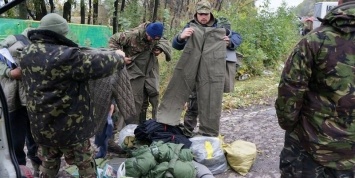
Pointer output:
56, 74
132, 42
316, 94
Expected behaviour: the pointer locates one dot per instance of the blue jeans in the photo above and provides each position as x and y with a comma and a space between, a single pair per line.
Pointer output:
21, 134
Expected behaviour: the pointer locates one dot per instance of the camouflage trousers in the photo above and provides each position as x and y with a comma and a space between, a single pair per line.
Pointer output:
295, 162
80, 154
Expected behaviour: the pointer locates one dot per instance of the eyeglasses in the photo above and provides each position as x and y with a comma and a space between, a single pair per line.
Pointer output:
203, 14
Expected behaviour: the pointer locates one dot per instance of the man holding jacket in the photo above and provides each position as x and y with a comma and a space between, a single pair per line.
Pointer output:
202, 65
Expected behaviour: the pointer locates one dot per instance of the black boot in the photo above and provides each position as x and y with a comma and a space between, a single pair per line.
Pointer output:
142, 117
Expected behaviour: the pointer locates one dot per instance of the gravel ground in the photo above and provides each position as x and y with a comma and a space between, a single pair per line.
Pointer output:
256, 124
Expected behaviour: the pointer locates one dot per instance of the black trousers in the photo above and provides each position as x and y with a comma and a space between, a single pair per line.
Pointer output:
21, 135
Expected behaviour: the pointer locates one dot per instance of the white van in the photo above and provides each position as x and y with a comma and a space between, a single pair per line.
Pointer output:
320, 10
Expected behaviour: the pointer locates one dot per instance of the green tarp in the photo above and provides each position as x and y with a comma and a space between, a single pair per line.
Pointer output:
84, 35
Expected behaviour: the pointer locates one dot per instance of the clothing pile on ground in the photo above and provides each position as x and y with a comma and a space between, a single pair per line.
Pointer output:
161, 160
151, 130
158, 150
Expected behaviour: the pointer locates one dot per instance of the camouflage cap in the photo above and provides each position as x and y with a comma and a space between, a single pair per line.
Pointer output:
203, 7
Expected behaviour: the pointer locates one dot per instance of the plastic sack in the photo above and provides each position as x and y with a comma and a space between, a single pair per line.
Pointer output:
121, 171
126, 133
208, 151
241, 155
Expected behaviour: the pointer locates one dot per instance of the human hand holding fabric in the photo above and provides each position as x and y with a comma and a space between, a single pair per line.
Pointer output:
227, 40
16, 73
186, 33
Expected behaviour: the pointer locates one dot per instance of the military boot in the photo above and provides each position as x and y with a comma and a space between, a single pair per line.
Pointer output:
143, 116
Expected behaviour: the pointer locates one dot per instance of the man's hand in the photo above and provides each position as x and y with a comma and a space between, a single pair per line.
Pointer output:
227, 40
127, 60
186, 33
120, 53
16, 73
156, 51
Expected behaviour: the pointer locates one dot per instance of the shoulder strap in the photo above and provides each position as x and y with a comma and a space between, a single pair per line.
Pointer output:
23, 39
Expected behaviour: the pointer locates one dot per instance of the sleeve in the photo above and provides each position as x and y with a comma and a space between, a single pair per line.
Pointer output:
119, 41
95, 63
4, 69
293, 85
7, 42
178, 43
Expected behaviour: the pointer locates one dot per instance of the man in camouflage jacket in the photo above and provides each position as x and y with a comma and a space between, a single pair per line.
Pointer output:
315, 103
56, 74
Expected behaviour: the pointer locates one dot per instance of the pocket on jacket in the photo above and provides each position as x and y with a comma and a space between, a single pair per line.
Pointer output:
217, 65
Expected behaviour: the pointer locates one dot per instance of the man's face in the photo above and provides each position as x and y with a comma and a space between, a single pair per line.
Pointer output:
149, 38
203, 18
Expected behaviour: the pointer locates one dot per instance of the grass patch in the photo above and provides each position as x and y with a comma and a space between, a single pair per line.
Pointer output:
260, 90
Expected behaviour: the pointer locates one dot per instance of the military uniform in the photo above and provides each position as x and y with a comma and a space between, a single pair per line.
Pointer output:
315, 103
203, 80
144, 70
56, 74
190, 117
201, 65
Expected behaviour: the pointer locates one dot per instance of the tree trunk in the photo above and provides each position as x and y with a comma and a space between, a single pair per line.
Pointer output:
219, 5
22, 10
52, 6
40, 9
89, 14
115, 17
155, 13
146, 6
43, 9
67, 11
96, 11
82, 12
123, 4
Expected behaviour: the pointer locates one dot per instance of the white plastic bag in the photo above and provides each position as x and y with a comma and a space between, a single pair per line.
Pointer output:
127, 131
208, 151
121, 171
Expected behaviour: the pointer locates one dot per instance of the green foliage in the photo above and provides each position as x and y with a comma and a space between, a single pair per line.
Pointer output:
124, 22
267, 35
132, 15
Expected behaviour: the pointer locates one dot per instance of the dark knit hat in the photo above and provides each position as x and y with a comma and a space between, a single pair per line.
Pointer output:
155, 29
55, 23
